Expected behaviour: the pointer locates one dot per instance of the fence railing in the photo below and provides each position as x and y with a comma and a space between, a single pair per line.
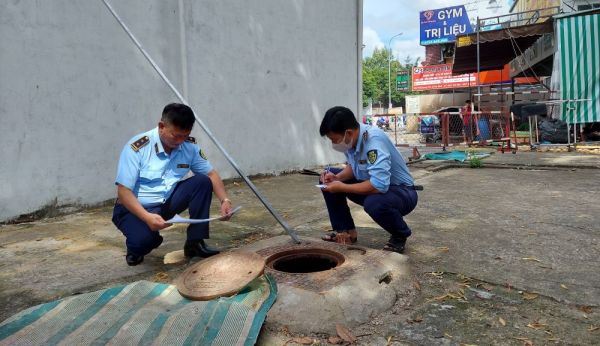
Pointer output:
445, 129
493, 125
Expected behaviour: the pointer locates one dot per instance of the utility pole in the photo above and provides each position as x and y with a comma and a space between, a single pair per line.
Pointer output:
389, 72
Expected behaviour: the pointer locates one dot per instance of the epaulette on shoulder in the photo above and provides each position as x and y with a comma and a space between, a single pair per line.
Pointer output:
140, 143
191, 139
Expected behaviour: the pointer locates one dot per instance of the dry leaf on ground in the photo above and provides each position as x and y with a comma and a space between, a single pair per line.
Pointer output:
460, 295
502, 321
417, 286
529, 297
525, 341
345, 333
334, 340
593, 329
531, 259
564, 287
303, 341
536, 325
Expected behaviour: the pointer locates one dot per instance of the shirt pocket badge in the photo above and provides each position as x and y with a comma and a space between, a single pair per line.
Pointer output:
181, 171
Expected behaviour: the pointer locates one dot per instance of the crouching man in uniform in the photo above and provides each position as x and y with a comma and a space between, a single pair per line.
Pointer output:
375, 177
150, 188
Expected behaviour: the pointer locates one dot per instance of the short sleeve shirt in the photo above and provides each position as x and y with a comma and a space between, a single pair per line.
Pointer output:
152, 174
466, 112
375, 158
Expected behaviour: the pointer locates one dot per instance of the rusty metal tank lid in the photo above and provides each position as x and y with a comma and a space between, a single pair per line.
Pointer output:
220, 276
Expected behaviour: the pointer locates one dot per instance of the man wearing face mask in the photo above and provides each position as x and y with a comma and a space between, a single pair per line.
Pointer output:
375, 177
150, 188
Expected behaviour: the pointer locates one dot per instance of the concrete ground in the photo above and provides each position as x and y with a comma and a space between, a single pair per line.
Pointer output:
498, 256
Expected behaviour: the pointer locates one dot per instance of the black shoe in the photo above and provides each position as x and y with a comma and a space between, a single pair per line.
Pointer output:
395, 245
133, 260
197, 248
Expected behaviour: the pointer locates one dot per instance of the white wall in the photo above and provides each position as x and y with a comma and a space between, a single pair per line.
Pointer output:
74, 88
432, 102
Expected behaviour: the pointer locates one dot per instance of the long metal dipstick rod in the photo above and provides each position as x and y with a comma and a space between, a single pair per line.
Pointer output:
205, 128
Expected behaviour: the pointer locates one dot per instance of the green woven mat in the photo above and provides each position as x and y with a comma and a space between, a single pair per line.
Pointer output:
144, 313
455, 155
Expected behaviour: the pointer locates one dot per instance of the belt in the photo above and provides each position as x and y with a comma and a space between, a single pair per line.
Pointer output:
413, 187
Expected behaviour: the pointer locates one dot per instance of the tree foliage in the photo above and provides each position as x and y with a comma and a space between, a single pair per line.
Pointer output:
376, 77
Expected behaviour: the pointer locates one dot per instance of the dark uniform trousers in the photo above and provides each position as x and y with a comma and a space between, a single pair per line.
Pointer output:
194, 193
386, 209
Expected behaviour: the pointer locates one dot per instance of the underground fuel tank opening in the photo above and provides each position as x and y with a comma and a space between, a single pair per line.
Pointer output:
304, 261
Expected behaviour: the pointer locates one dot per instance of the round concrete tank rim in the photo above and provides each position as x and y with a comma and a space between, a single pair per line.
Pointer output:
277, 260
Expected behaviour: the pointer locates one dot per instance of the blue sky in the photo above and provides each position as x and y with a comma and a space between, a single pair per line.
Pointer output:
383, 19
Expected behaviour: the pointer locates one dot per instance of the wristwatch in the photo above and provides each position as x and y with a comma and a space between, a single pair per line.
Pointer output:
226, 200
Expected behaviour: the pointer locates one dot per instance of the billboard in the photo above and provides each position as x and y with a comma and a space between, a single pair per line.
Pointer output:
402, 80
442, 25
440, 77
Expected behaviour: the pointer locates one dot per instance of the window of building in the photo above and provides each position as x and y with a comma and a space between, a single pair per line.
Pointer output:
588, 6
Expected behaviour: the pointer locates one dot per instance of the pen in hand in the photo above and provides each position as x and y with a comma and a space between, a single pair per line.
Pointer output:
325, 174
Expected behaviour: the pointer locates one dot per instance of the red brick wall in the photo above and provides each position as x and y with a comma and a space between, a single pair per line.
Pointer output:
433, 55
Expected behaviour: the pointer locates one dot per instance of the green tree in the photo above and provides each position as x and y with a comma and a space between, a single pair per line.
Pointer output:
375, 77
369, 87
376, 66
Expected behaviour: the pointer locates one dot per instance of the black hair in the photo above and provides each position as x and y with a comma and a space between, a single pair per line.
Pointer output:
179, 115
338, 120
468, 101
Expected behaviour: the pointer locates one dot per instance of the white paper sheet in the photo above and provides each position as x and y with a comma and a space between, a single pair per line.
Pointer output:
320, 186
179, 219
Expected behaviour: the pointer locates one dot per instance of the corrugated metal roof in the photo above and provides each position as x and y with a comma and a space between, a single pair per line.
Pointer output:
496, 47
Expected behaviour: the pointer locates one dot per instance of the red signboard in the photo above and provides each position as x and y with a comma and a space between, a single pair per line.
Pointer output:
440, 77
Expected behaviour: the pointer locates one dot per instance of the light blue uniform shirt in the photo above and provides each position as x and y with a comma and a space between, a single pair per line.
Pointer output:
150, 173
375, 158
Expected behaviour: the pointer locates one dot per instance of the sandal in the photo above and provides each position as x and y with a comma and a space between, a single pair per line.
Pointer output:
395, 245
340, 237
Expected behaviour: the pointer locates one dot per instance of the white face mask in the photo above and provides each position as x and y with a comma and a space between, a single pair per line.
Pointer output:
342, 146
